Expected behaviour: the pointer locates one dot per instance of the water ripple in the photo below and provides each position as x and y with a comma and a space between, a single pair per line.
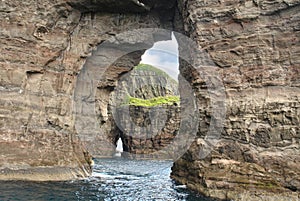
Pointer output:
112, 179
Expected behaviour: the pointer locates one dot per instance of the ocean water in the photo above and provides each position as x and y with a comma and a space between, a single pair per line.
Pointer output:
113, 179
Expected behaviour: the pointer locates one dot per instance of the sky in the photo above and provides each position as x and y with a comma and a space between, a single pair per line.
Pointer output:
164, 55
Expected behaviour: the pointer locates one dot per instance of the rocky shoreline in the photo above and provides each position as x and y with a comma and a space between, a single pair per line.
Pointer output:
44, 174
252, 45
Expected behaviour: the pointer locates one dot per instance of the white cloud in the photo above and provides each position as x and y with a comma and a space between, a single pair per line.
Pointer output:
164, 55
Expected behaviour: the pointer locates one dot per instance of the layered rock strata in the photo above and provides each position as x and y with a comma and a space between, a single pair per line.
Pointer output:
145, 130
254, 46
148, 131
44, 46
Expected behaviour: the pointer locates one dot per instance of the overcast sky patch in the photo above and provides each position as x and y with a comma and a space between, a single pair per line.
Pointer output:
164, 55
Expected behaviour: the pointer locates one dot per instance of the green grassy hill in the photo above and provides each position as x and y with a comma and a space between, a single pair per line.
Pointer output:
167, 100
155, 101
148, 67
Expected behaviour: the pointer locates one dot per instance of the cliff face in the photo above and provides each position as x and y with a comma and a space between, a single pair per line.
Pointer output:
37, 77
145, 130
43, 48
145, 82
138, 125
148, 131
255, 45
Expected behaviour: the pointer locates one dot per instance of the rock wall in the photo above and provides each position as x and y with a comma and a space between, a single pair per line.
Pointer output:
144, 82
44, 46
99, 130
144, 130
148, 131
255, 45
37, 76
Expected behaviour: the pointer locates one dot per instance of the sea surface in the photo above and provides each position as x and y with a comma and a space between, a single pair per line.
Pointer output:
113, 179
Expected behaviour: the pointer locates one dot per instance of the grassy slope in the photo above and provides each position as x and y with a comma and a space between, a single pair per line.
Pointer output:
167, 100
148, 67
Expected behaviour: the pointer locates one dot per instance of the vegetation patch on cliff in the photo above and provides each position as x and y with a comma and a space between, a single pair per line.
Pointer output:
167, 100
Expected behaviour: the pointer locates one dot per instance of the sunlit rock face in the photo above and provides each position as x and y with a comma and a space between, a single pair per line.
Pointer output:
255, 45
146, 129
44, 46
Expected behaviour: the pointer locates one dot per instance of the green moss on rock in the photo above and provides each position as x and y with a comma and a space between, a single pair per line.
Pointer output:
167, 100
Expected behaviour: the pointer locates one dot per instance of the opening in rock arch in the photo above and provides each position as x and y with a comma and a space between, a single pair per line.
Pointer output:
146, 101
149, 92
119, 148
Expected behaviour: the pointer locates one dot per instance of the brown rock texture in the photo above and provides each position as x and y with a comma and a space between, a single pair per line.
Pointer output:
145, 131
148, 131
255, 46
37, 133
108, 63
44, 46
